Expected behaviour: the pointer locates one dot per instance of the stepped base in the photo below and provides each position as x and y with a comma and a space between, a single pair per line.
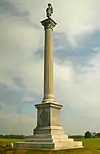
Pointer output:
54, 146
49, 134
53, 141
68, 144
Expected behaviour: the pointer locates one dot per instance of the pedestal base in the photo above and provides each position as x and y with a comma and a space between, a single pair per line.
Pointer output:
55, 141
49, 134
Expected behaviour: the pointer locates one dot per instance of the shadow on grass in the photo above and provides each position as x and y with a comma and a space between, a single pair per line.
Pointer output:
6, 150
98, 149
66, 151
47, 151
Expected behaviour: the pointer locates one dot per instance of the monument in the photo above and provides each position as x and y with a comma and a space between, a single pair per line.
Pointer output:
49, 132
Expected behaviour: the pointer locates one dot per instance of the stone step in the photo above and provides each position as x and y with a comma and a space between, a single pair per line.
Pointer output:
40, 140
42, 136
34, 145
50, 139
68, 145
51, 145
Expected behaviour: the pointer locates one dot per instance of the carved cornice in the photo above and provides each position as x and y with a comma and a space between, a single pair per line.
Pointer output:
48, 23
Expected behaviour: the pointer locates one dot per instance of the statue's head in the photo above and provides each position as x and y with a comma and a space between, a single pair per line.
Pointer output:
49, 4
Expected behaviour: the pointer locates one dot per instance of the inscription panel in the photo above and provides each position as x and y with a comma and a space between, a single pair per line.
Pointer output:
43, 117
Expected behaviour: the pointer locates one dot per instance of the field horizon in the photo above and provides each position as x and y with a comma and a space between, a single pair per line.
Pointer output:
91, 146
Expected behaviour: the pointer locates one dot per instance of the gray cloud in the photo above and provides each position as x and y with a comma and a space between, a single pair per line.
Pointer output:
10, 97
16, 123
13, 9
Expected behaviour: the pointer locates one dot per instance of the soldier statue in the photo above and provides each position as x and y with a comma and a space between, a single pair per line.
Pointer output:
49, 10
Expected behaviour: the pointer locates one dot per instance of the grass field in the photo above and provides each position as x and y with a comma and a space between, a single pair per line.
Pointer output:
91, 146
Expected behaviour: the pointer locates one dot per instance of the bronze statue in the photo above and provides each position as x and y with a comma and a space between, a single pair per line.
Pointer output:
49, 10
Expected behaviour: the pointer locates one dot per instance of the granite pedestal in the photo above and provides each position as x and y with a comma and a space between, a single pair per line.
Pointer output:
49, 133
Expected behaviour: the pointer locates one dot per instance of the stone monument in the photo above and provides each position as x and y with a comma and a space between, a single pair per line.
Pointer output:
49, 132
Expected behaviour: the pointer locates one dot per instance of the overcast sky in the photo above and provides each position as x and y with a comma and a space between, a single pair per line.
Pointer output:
76, 49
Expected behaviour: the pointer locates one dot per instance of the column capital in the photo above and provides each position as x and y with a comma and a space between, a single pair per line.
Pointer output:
48, 23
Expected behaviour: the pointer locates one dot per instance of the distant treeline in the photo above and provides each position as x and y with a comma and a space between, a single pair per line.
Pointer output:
76, 136
14, 136
87, 134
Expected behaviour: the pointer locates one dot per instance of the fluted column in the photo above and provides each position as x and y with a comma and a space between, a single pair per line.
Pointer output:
48, 24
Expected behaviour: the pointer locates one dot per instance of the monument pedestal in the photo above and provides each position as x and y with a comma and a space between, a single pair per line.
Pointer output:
48, 132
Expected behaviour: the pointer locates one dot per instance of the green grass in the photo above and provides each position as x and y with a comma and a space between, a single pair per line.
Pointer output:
91, 143
91, 146
8, 141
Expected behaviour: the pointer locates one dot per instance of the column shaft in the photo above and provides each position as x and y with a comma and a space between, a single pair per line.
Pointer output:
48, 65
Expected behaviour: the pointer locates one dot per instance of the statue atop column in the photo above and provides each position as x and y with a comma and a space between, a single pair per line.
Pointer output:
49, 10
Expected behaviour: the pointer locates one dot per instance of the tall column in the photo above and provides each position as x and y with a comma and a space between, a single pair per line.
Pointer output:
49, 133
48, 24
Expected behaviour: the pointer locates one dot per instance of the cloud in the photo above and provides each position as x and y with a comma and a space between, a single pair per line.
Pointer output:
17, 124
76, 19
81, 18
18, 43
80, 88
